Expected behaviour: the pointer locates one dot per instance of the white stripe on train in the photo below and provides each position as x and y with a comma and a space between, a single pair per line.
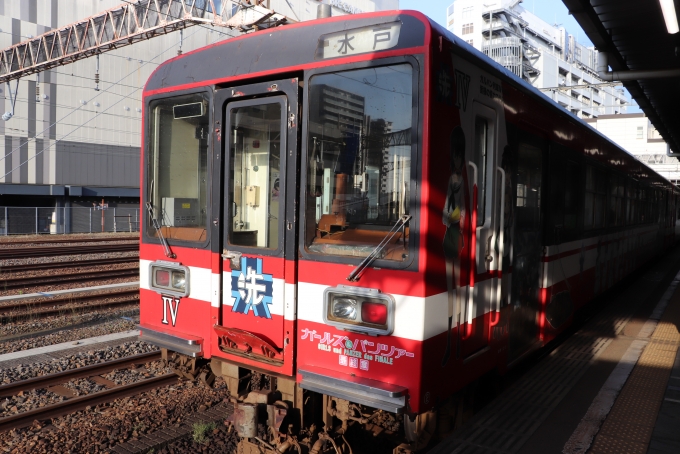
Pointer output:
418, 318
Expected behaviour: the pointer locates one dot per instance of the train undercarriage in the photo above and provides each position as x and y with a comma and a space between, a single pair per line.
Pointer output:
273, 414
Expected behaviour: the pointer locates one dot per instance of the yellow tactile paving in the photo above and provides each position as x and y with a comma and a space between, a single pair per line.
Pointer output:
616, 445
630, 423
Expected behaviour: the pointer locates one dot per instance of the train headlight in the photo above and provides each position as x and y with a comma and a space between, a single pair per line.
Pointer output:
179, 280
345, 308
362, 310
169, 278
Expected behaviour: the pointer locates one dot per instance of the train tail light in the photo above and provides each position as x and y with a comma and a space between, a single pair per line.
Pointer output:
361, 310
169, 278
375, 313
162, 277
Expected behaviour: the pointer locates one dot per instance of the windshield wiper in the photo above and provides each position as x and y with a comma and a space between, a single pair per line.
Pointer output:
157, 226
356, 273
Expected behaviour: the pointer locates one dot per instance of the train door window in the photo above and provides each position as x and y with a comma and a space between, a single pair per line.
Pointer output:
615, 213
483, 143
556, 182
564, 183
529, 176
255, 155
638, 205
177, 170
571, 199
629, 203
596, 193
632, 205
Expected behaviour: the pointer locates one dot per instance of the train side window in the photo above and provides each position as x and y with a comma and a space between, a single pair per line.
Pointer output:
595, 196
482, 135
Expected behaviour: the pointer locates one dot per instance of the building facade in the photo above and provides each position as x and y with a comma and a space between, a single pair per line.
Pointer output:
635, 134
545, 55
73, 140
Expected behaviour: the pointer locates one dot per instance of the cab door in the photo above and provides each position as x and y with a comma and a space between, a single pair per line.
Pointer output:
259, 143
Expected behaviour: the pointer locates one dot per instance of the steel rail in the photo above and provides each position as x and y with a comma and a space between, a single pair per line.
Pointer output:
59, 378
61, 311
71, 240
27, 418
20, 253
55, 265
83, 276
75, 298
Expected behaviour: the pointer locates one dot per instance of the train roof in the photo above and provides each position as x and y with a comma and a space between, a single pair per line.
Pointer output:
268, 51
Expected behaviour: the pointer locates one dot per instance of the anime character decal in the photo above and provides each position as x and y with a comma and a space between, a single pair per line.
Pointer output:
453, 217
476, 95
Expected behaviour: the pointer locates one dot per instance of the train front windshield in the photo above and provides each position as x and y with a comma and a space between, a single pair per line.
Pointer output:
177, 170
359, 160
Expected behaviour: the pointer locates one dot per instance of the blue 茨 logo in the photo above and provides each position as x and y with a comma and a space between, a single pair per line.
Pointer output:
251, 288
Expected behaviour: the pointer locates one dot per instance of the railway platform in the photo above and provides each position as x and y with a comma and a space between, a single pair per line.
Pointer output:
611, 386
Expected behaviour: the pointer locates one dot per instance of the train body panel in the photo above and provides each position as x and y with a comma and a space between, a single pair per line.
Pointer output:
371, 200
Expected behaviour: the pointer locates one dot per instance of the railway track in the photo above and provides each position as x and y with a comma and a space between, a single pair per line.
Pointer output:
82, 276
55, 382
9, 269
55, 306
25, 252
69, 240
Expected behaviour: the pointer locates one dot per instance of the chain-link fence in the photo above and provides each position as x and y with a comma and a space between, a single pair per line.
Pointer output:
31, 220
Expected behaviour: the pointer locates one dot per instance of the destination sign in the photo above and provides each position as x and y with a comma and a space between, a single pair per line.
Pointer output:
374, 38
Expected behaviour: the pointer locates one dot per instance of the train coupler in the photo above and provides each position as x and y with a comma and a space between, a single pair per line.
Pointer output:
258, 423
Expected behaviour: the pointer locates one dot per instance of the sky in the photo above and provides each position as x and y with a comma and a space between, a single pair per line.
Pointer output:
551, 11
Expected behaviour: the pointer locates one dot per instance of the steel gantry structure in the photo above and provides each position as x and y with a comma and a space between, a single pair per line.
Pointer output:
126, 24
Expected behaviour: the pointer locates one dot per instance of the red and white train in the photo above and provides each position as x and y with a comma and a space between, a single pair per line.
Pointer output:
360, 216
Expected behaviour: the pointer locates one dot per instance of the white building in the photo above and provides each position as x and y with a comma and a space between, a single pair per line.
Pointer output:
71, 141
635, 134
545, 55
